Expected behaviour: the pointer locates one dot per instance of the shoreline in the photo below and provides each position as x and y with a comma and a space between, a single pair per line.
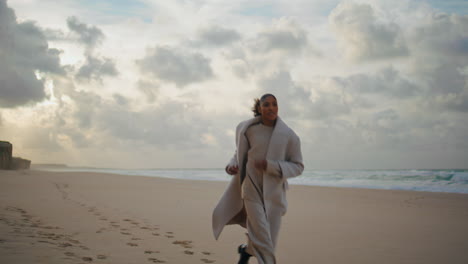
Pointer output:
440, 181
70, 217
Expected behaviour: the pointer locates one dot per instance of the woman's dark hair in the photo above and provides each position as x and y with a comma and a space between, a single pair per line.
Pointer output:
256, 106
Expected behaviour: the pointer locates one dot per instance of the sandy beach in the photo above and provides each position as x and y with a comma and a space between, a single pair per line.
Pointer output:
51, 217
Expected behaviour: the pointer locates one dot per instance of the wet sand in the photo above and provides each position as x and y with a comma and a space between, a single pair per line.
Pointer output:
52, 217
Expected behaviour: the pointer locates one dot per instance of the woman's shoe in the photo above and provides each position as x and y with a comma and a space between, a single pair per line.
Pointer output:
244, 256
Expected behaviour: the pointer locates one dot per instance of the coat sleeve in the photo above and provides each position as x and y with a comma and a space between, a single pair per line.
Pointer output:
233, 161
292, 166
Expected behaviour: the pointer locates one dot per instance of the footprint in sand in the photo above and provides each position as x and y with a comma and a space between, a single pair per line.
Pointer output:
188, 252
64, 245
50, 227
206, 253
183, 243
70, 254
74, 241
132, 244
155, 234
87, 259
151, 251
47, 242
169, 235
207, 260
101, 257
155, 260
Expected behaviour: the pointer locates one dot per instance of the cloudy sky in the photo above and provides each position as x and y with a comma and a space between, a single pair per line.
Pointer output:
162, 84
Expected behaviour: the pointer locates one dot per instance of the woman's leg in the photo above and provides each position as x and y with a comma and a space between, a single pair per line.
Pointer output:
275, 223
261, 243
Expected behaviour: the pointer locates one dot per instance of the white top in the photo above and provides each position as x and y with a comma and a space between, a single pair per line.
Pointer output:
258, 136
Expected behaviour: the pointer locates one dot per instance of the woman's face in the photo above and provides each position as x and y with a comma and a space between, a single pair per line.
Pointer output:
269, 109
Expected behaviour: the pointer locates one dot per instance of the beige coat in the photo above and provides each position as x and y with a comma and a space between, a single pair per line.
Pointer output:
285, 150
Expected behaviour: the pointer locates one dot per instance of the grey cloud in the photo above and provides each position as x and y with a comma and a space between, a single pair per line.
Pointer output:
414, 131
23, 51
120, 100
31, 47
445, 78
442, 33
327, 105
241, 68
89, 35
363, 36
149, 89
217, 36
460, 46
96, 68
386, 129
93, 120
282, 40
457, 102
382, 118
19, 89
387, 81
73, 119
288, 93
167, 125
440, 60
295, 101
173, 65
285, 36
87, 105
55, 34
441, 52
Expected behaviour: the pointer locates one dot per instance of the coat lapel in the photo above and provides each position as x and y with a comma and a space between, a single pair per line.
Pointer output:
277, 141
243, 145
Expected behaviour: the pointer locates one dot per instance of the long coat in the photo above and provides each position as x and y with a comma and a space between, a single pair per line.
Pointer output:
285, 150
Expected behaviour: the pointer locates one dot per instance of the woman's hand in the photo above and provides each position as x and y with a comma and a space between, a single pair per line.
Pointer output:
260, 164
232, 170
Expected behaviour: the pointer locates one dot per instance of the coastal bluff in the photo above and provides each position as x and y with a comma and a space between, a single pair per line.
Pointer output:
8, 162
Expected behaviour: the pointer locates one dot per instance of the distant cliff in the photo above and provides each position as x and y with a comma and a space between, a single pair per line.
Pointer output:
8, 162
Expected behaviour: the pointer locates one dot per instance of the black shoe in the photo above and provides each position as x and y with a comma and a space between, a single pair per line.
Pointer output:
244, 256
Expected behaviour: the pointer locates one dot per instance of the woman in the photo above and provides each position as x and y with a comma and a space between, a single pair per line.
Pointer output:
268, 153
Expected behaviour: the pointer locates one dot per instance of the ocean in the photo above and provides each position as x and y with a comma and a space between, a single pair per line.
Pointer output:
449, 180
